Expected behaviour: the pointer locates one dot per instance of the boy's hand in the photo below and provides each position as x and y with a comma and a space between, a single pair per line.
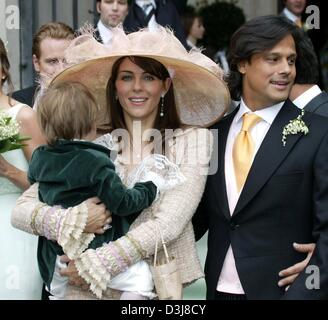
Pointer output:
98, 217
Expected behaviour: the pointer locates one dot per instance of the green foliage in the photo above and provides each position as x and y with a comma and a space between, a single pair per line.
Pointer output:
10, 139
13, 143
221, 19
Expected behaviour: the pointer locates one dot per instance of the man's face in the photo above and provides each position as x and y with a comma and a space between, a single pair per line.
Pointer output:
51, 60
296, 6
269, 75
112, 12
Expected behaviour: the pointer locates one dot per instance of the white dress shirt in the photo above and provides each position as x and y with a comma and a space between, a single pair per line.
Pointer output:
152, 24
105, 32
190, 44
229, 280
307, 96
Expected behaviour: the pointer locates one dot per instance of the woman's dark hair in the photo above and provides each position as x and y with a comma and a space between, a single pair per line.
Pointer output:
188, 19
256, 36
170, 120
5, 66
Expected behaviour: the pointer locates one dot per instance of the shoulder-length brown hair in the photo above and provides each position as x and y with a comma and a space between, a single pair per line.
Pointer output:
170, 120
5, 66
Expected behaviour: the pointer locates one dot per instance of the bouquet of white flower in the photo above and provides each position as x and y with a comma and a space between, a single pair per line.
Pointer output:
10, 139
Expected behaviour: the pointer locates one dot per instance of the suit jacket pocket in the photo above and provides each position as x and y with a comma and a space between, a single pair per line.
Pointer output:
290, 178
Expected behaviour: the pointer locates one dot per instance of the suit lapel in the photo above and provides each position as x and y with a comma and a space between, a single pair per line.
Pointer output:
223, 131
138, 17
97, 36
270, 155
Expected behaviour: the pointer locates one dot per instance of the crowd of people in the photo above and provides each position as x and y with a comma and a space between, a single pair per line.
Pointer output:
133, 152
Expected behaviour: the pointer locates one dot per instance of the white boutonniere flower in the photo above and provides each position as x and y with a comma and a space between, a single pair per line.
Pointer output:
295, 126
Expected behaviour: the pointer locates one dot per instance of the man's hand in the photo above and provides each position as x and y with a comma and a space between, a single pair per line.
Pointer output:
290, 274
98, 217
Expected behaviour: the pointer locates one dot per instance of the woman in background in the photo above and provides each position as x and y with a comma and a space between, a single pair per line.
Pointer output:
193, 27
19, 273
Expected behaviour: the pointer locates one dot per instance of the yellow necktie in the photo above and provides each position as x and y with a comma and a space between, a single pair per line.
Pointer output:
298, 22
243, 149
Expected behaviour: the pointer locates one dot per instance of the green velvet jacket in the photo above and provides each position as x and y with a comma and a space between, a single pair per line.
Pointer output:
70, 172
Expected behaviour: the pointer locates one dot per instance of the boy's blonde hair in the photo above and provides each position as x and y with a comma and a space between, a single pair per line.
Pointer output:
66, 110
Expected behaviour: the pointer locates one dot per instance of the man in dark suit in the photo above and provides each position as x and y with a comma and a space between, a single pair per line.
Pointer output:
271, 189
26, 95
306, 94
293, 11
181, 6
149, 13
112, 13
49, 44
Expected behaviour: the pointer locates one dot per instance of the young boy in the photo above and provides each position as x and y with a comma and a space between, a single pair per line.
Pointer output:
71, 169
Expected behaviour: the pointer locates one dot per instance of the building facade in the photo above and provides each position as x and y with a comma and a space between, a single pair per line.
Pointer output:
21, 18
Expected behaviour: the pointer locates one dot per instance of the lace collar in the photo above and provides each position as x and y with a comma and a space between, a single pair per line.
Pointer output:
156, 163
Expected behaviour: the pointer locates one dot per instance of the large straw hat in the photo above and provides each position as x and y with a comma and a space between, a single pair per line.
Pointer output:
201, 95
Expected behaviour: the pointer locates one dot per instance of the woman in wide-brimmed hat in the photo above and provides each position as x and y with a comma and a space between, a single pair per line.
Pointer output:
145, 83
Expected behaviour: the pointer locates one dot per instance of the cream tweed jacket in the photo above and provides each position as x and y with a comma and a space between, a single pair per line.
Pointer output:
191, 150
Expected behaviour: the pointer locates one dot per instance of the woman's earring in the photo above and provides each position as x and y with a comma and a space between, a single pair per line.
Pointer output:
161, 111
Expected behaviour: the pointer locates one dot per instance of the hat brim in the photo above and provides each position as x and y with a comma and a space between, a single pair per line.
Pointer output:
201, 96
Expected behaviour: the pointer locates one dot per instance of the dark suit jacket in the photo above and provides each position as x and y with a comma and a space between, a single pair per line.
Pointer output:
25, 95
318, 105
97, 36
166, 15
180, 5
284, 200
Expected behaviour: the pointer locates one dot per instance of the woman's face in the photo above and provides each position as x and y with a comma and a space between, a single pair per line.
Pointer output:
138, 91
197, 29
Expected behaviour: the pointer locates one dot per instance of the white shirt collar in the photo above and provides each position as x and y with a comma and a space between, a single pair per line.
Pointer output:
105, 32
152, 24
267, 114
290, 15
141, 3
190, 44
307, 96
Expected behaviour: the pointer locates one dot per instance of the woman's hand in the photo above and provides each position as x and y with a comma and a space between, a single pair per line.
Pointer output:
289, 275
4, 166
13, 174
71, 272
98, 217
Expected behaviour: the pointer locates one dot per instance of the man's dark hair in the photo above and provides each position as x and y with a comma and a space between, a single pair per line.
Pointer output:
307, 64
256, 36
